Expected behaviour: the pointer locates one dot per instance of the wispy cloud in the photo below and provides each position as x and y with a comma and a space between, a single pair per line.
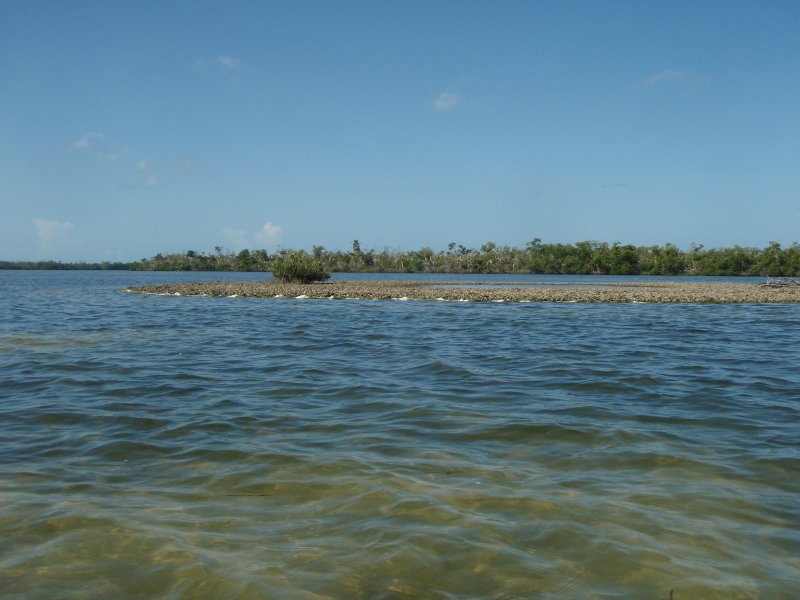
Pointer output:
674, 76
86, 140
229, 62
231, 67
97, 143
151, 180
447, 101
236, 237
141, 174
112, 155
269, 233
50, 234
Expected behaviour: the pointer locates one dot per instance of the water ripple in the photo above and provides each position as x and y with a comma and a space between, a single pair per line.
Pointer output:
205, 448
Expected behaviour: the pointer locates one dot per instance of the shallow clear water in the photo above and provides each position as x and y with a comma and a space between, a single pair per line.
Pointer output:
278, 448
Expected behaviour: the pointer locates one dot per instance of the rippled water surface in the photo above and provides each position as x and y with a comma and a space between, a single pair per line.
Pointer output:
279, 448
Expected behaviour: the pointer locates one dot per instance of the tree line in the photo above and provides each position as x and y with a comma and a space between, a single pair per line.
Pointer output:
580, 258
53, 265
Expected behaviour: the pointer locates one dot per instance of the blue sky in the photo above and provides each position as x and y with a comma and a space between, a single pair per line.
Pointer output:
142, 127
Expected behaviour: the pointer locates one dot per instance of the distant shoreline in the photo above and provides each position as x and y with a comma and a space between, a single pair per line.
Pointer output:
644, 292
535, 258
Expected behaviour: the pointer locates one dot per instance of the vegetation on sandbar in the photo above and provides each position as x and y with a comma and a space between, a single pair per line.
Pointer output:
581, 258
299, 267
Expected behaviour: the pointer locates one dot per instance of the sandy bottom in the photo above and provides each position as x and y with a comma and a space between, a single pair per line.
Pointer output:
661, 292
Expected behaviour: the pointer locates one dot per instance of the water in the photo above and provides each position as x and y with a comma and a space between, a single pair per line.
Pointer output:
162, 447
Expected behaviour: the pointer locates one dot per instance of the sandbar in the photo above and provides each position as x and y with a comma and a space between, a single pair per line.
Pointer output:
644, 292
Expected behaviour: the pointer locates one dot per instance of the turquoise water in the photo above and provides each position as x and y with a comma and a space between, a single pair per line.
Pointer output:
163, 447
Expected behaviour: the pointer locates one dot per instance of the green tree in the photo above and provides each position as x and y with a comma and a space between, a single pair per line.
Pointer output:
772, 262
624, 260
298, 267
244, 261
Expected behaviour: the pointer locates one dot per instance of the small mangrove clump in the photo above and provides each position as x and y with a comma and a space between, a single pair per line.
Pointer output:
299, 267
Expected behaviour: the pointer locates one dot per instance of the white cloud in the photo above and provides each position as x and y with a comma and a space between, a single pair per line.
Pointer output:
112, 156
49, 234
102, 150
151, 180
83, 142
231, 66
229, 62
237, 237
668, 76
665, 76
269, 234
446, 101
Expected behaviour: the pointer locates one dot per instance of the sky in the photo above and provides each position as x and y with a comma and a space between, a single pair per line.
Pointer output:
133, 128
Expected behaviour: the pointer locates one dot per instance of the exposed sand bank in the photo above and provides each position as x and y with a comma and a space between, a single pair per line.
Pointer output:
660, 292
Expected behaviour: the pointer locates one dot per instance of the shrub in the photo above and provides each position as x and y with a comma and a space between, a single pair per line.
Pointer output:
299, 267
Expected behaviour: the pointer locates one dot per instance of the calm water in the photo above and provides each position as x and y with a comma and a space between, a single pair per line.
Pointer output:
242, 448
